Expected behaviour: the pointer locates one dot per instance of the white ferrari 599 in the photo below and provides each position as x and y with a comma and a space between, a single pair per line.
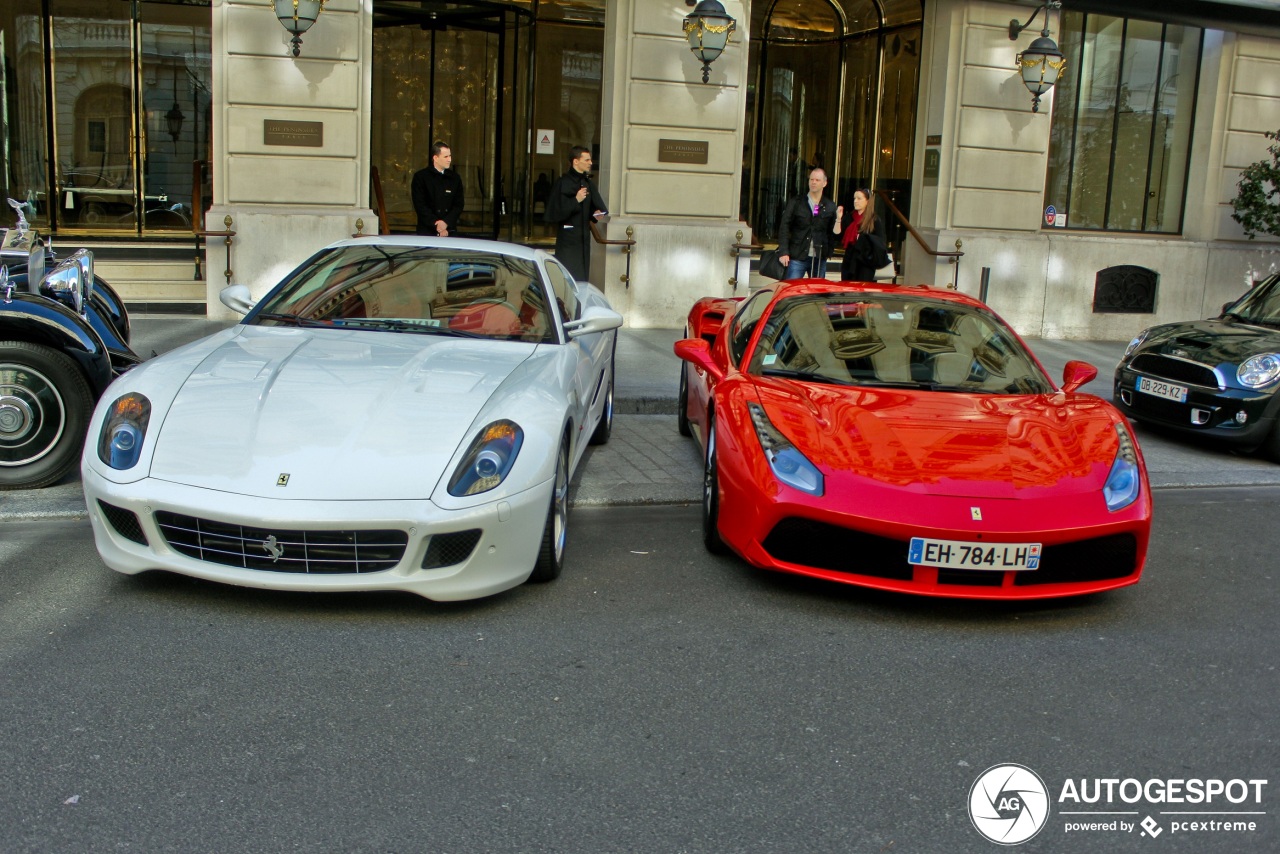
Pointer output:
400, 413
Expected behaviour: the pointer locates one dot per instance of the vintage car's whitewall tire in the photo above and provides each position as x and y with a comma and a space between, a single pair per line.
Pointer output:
550, 561
711, 495
45, 405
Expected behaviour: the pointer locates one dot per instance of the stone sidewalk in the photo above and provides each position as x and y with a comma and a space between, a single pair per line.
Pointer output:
648, 462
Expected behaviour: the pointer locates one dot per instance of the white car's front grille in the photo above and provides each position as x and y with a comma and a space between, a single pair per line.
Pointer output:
280, 550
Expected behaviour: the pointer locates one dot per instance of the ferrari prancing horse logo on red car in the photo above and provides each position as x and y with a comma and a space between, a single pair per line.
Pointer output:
975, 513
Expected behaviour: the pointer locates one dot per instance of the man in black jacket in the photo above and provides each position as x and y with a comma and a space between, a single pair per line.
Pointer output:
437, 194
805, 237
573, 204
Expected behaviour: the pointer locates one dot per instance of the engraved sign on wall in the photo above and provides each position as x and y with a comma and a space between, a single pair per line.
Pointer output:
280, 132
682, 151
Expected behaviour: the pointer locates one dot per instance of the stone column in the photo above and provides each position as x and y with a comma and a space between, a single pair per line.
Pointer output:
291, 139
671, 164
989, 153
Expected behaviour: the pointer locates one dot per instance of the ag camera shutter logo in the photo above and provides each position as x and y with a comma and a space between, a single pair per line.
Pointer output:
1008, 804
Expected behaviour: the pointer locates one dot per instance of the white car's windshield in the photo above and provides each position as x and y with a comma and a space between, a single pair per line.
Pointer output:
415, 289
889, 340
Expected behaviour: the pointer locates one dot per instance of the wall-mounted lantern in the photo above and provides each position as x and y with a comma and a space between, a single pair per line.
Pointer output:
174, 118
707, 28
173, 121
297, 16
1041, 62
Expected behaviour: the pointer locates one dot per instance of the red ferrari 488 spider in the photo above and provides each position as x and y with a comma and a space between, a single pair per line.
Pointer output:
905, 438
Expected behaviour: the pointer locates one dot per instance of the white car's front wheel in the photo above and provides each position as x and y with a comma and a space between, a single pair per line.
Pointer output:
551, 552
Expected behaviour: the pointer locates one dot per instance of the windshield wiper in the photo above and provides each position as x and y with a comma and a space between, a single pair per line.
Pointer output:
807, 376
924, 385
393, 325
295, 319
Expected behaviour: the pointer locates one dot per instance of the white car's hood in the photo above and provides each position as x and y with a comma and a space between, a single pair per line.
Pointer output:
328, 414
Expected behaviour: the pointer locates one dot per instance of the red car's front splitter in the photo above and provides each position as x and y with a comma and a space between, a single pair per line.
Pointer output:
1085, 550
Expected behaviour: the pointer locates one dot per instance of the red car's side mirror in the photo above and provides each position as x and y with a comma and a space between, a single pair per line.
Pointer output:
698, 352
1076, 374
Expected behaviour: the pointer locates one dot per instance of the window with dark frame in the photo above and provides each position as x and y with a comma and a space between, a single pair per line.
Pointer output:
1120, 137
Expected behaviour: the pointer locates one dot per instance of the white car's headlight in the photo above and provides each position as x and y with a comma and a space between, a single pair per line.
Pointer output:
1259, 371
123, 430
789, 465
488, 460
1125, 480
1133, 345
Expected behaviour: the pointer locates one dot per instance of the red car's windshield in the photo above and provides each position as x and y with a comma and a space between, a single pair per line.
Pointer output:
893, 340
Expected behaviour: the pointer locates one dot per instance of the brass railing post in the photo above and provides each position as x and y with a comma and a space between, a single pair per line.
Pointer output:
734, 250
625, 244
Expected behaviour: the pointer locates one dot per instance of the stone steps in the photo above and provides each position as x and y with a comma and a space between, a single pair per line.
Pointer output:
150, 276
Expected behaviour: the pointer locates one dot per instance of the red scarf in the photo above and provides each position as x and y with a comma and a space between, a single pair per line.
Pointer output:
851, 233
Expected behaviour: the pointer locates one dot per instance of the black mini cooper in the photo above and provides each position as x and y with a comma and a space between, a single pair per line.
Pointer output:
1217, 378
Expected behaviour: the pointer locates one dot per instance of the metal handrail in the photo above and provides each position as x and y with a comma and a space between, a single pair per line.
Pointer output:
734, 249
228, 234
375, 179
625, 244
954, 256
197, 211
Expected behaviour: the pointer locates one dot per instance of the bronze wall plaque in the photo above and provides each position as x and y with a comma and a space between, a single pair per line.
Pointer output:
682, 151
278, 132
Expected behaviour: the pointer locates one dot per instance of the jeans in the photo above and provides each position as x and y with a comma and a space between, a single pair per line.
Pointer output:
798, 268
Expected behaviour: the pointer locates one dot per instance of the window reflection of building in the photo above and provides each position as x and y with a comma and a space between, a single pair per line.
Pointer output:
834, 85
1121, 125
112, 158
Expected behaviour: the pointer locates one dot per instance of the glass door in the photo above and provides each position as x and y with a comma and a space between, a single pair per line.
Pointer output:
174, 114
439, 79
95, 175
130, 122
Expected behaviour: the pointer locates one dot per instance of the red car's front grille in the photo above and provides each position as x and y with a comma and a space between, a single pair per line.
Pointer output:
831, 547
805, 542
1097, 559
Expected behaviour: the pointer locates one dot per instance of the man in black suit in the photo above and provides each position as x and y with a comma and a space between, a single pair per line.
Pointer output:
572, 205
437, 194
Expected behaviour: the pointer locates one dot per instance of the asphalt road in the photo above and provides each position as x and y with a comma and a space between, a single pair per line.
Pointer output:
654, 699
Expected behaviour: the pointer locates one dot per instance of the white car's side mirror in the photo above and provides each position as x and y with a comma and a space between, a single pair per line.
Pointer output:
237, 298
594, 319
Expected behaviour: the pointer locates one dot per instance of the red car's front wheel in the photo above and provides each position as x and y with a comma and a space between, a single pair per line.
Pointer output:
711, 495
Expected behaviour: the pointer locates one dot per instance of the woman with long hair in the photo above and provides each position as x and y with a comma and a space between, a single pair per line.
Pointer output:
864, 240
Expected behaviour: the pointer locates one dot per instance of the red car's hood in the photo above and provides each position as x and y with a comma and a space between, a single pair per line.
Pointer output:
945, 443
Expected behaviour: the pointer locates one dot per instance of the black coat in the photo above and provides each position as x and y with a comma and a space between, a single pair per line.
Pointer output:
800, 226
572, 220
865, 255
437, 195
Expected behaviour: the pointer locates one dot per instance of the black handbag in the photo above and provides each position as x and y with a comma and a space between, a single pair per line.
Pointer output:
770, 266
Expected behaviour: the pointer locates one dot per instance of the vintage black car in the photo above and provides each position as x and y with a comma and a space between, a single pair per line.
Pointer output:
1217, 378
64, 336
